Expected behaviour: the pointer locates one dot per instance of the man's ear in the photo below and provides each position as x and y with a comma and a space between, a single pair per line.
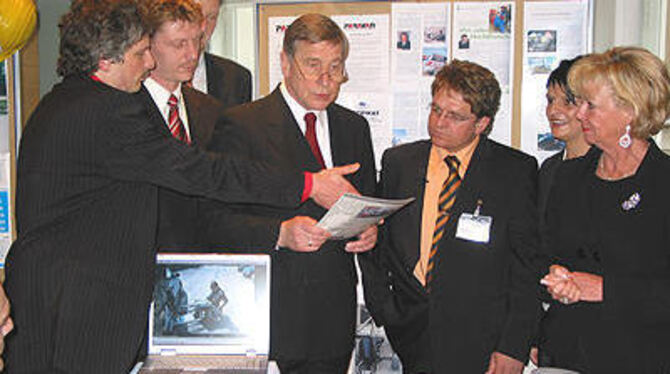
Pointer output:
482, 124
104, 64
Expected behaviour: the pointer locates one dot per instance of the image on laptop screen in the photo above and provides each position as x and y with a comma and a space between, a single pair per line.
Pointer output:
210, 304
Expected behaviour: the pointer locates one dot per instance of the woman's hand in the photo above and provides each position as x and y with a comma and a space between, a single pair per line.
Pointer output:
561, 286
590, 285
571, 287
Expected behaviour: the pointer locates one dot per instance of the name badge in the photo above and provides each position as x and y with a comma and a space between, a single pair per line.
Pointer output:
474, 227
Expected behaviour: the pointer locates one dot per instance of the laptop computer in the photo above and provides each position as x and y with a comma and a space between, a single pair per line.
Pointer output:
210, 314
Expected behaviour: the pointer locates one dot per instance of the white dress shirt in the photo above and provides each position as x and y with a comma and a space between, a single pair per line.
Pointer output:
161, 96
199, 81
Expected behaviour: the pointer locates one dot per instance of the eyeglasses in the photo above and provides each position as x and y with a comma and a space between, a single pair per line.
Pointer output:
313, 70
450, 115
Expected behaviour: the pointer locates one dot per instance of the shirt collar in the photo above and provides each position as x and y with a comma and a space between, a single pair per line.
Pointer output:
298, 110
159, 93
464, 155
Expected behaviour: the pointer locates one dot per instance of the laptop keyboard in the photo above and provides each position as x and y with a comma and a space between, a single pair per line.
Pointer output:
204, 364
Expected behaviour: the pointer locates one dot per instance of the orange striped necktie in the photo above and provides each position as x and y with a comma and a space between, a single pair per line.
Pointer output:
174, 122
445, 203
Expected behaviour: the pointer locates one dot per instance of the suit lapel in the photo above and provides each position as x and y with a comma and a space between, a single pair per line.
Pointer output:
338, 141
468, 193
294, 139
155, 115
214, 78
417, 183
194, 115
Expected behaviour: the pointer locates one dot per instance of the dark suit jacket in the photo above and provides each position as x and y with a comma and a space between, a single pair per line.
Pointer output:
313, 294
80, 274
545, 180
178, 213
227, 81
483, 296
589, 230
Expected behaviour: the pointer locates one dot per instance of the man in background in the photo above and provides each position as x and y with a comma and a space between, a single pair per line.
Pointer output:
80, 274
313, 311
452, 281
220, 77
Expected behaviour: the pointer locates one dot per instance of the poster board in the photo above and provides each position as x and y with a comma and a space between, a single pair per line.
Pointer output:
8, 121
508, 128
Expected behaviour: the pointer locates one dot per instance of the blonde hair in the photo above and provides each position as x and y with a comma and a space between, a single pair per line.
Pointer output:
158, 12
638, 80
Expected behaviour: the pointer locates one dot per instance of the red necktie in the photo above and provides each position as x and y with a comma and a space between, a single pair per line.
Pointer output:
310, 134
174, 122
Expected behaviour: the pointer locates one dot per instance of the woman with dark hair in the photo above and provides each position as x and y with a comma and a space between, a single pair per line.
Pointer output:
607, 223
562, 116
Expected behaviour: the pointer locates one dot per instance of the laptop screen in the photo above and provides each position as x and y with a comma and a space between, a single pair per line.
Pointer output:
210, 304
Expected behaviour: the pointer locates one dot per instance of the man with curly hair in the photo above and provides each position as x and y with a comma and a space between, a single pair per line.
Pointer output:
80, 274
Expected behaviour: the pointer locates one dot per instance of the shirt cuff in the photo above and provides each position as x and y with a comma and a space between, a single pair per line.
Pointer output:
307, 190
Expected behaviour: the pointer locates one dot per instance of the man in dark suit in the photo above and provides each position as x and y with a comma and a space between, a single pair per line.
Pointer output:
299, 125
220, 77
451, 280
80, 274
175, 45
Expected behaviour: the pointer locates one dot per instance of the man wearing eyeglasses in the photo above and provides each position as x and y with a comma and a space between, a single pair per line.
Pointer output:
299, 125
451, 280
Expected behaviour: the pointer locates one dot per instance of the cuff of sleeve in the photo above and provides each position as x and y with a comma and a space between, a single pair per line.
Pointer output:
307, 190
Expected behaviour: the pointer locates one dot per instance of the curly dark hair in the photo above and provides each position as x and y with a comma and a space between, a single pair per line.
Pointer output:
97, 29
477, 85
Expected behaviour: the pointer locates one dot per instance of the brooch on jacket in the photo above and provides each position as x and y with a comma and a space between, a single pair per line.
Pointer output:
632, 202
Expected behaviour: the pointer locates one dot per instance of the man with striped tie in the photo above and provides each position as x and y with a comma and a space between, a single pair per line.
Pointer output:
451, 280
188, 114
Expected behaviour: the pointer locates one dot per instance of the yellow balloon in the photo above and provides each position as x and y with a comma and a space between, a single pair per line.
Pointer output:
17, 23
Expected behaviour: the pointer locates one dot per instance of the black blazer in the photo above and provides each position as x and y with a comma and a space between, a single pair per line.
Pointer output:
313, 294
227, 80
545, 180
80, 274
588, 229
483, 296
178, 213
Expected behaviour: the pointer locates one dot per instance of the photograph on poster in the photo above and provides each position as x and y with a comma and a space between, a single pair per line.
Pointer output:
500, 19
542, 41
432, 34
403, 40
464, 42
400, 136
433, 60
541, 65
547, 142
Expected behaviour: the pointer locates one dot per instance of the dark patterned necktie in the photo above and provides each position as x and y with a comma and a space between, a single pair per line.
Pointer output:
445, 203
